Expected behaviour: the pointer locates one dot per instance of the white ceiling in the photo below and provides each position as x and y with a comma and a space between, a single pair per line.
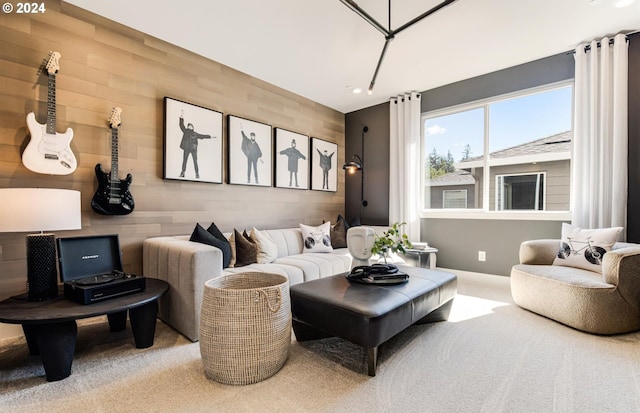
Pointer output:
320, 49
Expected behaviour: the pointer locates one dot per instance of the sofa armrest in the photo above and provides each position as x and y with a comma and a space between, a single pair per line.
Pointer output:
186, 266
621, 267
539, 251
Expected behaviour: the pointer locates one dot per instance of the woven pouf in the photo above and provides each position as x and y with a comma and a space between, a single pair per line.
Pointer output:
245, 327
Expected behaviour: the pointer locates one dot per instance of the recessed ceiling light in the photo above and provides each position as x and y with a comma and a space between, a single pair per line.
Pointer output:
356, 90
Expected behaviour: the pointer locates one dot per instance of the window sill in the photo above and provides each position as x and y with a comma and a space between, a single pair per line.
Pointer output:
503, 215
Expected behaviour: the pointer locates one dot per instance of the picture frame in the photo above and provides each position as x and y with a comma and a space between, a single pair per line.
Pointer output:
250, 152
324, 165
192, 142
291, 159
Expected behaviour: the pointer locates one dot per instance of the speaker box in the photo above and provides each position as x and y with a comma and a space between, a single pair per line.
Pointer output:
42, 275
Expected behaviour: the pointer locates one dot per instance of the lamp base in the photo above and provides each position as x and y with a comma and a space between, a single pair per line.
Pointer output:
42, 275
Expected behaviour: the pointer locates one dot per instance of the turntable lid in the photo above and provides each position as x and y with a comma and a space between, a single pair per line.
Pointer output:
81, 257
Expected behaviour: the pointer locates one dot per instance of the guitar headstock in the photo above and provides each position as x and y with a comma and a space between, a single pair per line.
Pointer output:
114, 118
53, 64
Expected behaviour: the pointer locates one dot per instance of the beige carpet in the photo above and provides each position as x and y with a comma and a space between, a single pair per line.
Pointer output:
491, 356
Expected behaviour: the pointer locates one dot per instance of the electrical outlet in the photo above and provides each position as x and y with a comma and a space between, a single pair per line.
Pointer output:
482, 255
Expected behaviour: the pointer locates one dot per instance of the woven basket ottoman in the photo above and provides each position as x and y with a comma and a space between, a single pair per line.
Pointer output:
245, 327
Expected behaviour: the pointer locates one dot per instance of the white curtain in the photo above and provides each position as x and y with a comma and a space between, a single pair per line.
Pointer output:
404, 163
599, 176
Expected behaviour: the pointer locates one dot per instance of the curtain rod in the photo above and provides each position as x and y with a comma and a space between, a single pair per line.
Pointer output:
588, 47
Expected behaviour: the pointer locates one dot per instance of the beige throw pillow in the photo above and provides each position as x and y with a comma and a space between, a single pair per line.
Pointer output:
267, 249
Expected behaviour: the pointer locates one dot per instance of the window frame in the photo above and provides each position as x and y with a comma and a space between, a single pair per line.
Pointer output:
485, 212
500, 200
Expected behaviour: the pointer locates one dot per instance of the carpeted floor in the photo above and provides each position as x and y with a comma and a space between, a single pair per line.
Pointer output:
491, 356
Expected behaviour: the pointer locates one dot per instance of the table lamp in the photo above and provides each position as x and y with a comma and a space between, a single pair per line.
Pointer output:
40, 209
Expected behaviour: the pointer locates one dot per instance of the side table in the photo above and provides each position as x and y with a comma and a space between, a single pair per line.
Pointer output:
428, 252
50, 326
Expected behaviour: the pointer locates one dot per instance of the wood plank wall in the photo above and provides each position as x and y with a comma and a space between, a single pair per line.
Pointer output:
105, 64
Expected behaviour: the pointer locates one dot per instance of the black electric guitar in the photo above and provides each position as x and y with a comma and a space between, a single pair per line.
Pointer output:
49, 152
113, 196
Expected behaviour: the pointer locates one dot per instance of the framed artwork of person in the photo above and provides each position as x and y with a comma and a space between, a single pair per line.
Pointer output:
192, 142
250, 147
324, 168
292, 159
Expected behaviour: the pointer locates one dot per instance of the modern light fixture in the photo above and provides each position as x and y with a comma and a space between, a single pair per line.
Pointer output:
40, 209
357, 164
389, 34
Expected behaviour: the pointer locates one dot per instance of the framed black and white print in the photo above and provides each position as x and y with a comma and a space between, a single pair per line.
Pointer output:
250, 147
292, 159
324, 171
192, 142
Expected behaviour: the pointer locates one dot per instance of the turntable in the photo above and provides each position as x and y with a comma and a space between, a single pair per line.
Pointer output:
91, 269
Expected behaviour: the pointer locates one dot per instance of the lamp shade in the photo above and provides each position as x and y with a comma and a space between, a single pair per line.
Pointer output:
39, 209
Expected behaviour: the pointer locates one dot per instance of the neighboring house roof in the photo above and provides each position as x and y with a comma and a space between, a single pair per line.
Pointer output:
552, 148
459, 177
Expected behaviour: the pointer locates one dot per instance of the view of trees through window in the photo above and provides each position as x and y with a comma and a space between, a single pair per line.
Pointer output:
505, 153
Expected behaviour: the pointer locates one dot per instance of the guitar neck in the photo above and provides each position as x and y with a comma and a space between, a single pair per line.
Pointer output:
51, 104
114, 154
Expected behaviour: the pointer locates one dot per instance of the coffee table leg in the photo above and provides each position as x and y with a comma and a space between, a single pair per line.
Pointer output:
143, 323
372, 360
56, 343
117, 321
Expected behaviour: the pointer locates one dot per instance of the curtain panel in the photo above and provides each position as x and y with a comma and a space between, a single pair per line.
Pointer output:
404, 163
600, 149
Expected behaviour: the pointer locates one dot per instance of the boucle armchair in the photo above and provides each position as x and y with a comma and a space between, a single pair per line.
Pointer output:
607, 303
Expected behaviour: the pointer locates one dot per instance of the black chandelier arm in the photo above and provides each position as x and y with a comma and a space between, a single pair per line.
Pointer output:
388, 33
384, 51
423, 15
360, 12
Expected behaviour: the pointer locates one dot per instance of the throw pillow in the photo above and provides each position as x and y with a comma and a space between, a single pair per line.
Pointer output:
232, 242
316, 239
267, 249
246, 250
226, 251
339, 233
585, 248
202, 236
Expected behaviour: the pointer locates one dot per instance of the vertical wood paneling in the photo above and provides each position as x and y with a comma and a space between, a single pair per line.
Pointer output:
105, 64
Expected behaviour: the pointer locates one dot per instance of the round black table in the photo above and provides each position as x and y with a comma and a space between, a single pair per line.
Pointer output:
50, 326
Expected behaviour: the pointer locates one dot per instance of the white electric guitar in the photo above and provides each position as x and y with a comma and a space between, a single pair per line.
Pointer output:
48, 152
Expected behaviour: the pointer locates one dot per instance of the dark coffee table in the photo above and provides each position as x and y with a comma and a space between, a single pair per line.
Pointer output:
50, 326
369, 315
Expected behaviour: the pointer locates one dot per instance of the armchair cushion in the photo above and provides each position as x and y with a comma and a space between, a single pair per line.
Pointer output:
585, 248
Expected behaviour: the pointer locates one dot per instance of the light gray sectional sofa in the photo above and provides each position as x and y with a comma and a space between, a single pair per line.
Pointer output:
187, 265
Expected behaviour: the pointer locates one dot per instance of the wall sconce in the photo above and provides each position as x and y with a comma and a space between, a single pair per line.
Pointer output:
40, 209
357, 164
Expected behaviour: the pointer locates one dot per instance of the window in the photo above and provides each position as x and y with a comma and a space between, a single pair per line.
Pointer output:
523, 191
454, 198
506, 153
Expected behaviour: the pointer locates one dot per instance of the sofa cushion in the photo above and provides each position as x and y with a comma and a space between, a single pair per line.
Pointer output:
246, 250
585, 248
316, 239
205, 237
267, 249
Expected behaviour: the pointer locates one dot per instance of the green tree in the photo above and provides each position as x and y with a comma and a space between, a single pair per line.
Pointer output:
440, 165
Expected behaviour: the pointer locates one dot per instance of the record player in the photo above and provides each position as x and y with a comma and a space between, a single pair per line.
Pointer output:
91, 269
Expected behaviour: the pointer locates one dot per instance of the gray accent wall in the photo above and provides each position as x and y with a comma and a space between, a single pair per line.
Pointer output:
459, 240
